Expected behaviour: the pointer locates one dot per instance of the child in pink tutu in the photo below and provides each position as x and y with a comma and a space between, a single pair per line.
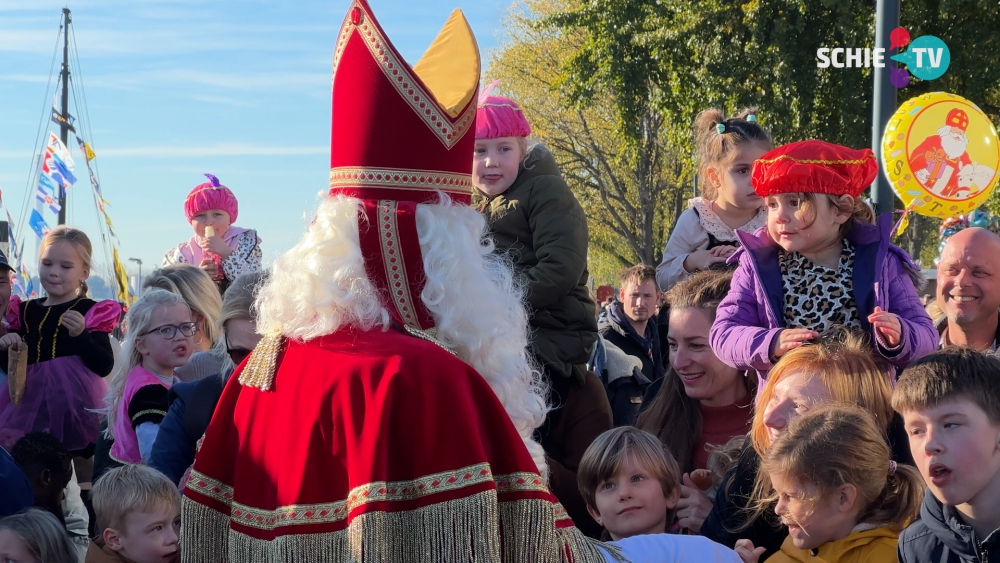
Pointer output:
218, 246
69, 349
160, 331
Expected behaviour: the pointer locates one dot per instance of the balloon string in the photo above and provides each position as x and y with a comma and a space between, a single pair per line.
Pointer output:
905, 213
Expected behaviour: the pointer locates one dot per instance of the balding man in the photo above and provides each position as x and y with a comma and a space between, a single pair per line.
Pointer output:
968, 289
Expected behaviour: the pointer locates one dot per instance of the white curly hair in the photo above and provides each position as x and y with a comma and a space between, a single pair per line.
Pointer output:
320, 285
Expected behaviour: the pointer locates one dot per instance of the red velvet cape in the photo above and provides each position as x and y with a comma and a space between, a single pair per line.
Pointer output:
370, 446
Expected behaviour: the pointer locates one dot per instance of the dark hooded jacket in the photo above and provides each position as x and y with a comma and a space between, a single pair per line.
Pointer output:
540, 224
939, 536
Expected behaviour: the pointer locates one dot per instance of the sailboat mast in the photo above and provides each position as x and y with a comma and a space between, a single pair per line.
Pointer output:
64, 123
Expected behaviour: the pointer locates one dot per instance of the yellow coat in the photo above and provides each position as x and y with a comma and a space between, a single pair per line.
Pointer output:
869, 546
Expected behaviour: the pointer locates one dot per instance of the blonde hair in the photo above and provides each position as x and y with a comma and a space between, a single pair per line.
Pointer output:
320, 285
608, 453
720, 149
80, 242
237, 304
842, 445
43, 535
138, 321
131, 488
847, 368
199, 292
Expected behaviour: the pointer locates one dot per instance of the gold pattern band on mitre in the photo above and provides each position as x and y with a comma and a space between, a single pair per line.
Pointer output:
398, 73
400, 179
471, 528
380, 491
263, 362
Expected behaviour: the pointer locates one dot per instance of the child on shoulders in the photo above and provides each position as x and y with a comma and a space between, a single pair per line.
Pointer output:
820, 263
218, 246
705, 234
139, 517
950, 403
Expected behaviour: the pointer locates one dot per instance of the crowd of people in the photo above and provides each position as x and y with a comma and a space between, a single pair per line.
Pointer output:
426, 376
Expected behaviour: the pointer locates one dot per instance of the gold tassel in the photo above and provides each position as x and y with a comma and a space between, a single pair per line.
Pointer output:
263, 363
465, 530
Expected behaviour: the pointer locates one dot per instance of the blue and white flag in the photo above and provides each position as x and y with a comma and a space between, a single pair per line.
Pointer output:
46, 198
38, 224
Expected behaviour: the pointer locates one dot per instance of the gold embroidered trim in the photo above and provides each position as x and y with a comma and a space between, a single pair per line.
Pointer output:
394, 491
428, 336
263, 362
400, 179
474, 528
148, 411
816, 161
401, 77
395, 267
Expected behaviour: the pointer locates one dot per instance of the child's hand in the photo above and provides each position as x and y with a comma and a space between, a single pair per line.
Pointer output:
791, 338
10, 340
887, 325
74, 323
693, 506
215, 244
747, 552
724, 251
210, 268
700, 260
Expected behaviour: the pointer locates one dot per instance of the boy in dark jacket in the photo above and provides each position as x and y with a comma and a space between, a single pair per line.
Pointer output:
950, 402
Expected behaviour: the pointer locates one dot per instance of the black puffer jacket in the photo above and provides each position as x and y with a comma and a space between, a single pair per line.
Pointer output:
939, 536
616, 329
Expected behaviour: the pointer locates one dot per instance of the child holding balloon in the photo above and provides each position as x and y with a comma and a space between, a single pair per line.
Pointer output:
705, 234
820, 263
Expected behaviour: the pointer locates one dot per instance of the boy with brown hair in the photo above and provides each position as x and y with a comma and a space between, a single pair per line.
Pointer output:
139, 512
630, 482
950, 402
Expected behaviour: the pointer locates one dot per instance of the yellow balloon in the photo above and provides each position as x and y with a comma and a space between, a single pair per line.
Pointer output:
941, 154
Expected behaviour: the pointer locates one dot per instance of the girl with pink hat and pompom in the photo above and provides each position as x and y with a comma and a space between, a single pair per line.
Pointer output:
219, 247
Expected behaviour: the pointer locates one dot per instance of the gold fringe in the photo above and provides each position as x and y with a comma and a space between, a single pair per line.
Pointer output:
263, 362
465, 530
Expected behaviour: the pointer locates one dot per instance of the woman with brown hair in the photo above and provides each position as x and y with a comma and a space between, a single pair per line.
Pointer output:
700, 402
842, 369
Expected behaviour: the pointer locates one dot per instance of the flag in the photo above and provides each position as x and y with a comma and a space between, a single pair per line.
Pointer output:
38, 224
88, 152
68, 121
47, 199
122, 278
58, 170
56, 147
47, 184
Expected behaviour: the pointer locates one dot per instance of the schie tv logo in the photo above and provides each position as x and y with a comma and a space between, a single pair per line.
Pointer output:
927, 58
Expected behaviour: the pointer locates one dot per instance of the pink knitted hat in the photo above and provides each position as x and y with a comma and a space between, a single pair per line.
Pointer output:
211, 195
497, 117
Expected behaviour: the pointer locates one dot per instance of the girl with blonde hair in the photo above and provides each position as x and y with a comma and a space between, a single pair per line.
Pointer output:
202, 295
65, 336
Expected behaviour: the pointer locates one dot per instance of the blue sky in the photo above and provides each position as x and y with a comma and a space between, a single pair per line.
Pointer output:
177, 88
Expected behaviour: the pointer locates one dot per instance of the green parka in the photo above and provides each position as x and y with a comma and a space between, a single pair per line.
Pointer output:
542, 227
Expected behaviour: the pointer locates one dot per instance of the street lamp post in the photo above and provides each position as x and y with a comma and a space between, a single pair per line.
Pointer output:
884, 100
139, 262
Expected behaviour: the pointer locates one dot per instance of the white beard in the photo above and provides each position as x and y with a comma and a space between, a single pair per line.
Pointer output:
954, 147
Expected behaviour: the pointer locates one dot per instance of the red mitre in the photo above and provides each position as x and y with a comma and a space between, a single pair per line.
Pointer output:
815, 167
400, 136
957, 118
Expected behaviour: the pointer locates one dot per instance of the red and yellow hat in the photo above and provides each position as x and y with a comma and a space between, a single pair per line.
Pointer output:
400, 136
957, 118
814, 167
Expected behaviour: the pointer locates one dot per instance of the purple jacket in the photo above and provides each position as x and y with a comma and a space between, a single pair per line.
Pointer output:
749, 318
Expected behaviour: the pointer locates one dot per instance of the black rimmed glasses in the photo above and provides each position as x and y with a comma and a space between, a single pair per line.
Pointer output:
170, 331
